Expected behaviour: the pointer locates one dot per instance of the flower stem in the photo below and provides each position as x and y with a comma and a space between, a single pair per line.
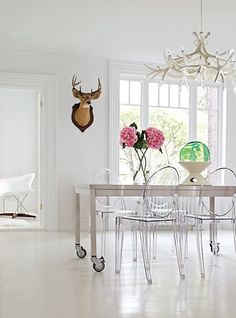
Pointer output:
141, 166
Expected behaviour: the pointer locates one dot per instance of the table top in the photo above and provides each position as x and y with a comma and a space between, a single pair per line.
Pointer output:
162, 190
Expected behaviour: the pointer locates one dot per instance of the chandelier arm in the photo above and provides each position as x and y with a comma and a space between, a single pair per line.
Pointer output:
223, 53
164, 74
217, 75
197, 64
224, 60
153, 74
222, 77
152, 68
228, 60
158, 72
228, 72
189, 66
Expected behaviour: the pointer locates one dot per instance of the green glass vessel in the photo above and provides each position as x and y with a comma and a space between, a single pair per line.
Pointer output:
195, 151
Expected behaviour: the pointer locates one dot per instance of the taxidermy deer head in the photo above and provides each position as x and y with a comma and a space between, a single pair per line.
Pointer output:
82, 113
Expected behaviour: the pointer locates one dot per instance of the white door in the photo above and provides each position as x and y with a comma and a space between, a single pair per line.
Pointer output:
20, 140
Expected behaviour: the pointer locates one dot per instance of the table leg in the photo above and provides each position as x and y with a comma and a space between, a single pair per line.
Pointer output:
80, 251
98, 263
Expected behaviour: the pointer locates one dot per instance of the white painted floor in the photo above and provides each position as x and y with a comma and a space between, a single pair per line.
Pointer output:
8, 223
40, 277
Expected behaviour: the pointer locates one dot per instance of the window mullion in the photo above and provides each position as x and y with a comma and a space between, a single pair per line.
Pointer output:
144, 105
193, 112
221, 124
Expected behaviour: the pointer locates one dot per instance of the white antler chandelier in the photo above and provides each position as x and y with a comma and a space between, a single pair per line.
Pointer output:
199, 65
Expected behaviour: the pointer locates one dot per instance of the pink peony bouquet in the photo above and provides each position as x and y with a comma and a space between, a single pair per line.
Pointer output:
141, 142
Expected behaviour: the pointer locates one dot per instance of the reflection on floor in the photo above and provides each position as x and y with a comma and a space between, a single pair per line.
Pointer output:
41, 276
8, 223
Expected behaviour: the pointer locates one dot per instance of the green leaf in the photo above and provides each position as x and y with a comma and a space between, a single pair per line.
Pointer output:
142, 135
134, 125
140, 144
138, 135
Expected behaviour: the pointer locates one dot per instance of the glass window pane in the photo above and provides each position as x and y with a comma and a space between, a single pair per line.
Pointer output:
128, 160
207, 118
153, 94
201, 98
202, 126
184, 97
174, 95
164, 95
128, 115
124, 92
135, 92
212, 98
174, 124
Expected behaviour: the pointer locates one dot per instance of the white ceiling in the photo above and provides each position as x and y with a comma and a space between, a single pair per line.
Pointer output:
136, 29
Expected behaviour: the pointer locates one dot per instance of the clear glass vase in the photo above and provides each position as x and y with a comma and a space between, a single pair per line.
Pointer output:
140, 177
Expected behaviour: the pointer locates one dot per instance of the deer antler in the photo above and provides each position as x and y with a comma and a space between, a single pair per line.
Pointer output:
96, 94
75, 91
74, 78
86, 96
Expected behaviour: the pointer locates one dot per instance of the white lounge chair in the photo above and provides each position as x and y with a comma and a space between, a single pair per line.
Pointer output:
17, 187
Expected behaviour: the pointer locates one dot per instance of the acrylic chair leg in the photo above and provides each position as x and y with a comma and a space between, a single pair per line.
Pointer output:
178, 248
200, 246
234, 232
182, 237
105, 218
4, 204
185, 229
154, 242
134, 231
144, 248
185, 245
119, 238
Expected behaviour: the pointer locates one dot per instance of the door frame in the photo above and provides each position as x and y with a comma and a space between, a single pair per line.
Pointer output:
45, 85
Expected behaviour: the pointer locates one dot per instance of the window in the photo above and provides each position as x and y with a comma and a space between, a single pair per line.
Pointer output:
182, 112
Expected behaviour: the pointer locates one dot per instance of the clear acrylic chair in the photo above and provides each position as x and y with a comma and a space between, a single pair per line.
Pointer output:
156, 211
223, 210
106, 205
17, 188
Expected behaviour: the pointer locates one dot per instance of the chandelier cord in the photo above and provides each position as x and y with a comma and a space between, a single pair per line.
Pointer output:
201, 15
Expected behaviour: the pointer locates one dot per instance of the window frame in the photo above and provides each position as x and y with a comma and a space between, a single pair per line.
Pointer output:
138, 71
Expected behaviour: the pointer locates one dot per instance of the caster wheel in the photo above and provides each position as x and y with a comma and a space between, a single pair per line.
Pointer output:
217, 249
99, 267
81, 253
211, 247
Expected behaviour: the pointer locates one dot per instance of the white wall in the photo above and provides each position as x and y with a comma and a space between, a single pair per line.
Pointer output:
79, 155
